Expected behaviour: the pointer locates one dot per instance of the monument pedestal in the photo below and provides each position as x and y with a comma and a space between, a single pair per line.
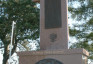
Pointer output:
65, 56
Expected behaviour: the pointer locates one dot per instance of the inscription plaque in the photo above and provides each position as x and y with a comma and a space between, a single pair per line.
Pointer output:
52, 14
49, 61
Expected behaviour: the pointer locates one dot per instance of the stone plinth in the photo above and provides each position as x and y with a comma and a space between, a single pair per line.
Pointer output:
71, 56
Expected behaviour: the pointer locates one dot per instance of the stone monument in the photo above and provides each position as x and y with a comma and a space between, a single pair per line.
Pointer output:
53, 37
53, 24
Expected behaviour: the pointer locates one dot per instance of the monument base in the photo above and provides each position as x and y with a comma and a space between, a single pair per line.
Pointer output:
66, 56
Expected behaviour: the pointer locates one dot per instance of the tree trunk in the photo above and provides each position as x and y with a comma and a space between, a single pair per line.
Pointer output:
5, 55
5, 60
6, 52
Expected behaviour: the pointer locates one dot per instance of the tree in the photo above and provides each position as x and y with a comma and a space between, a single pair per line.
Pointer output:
26, 15
83, 31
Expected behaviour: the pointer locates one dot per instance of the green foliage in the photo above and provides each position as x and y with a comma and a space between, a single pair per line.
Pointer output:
90, 36
84, 34
84, 10
90, 22
74, 32
25, 14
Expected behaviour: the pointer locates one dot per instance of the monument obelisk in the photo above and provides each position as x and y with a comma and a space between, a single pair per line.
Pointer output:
53, 37
53, 24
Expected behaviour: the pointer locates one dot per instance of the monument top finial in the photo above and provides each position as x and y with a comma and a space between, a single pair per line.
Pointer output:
36, 0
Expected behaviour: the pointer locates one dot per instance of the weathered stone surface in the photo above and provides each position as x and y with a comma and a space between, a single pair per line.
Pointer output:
59, 30
53, 52
66, 56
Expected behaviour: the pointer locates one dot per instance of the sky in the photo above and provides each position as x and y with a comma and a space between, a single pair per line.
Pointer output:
1, 57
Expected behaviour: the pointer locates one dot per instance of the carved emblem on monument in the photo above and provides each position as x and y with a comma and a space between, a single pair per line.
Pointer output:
49, 61
53, 37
